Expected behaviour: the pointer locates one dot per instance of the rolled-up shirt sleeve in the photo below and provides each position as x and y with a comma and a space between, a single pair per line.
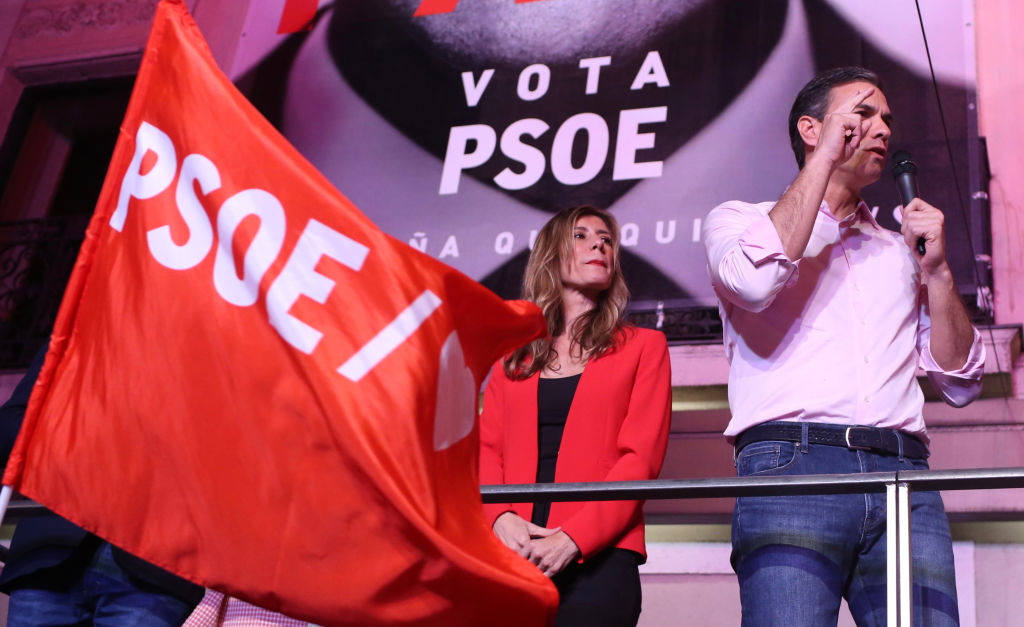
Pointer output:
956, 387
745, 256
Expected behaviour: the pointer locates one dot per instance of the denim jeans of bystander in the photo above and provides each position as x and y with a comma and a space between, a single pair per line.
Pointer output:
104, 596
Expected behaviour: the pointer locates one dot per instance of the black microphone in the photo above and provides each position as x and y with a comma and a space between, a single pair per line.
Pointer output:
905, 173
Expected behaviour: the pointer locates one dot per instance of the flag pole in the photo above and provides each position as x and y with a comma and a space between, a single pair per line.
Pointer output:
5, 500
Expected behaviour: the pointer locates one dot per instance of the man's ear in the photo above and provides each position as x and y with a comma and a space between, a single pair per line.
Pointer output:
809, 127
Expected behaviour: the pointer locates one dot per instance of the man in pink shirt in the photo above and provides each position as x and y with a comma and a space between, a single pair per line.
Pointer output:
827, 317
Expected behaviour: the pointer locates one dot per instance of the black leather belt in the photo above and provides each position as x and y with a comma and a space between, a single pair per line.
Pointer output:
856, 438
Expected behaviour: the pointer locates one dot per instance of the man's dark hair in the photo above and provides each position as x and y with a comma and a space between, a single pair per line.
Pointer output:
813, 100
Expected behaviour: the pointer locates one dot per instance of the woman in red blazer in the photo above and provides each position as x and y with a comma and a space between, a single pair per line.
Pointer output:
589, 403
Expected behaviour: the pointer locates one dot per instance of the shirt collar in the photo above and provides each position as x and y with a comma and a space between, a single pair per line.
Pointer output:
862, 212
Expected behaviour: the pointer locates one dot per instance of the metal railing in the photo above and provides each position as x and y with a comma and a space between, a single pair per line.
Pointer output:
896, 485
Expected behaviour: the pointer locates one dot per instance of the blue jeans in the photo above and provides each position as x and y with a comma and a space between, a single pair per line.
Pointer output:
797, 556
103, 595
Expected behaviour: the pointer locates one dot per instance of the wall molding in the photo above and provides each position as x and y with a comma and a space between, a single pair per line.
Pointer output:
68, 18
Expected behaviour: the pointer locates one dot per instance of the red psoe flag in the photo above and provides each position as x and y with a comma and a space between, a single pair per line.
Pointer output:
253, 387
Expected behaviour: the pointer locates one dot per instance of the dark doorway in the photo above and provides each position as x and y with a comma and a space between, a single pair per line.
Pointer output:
52, 164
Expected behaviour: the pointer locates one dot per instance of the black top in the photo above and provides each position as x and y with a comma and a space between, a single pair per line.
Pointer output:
554, 397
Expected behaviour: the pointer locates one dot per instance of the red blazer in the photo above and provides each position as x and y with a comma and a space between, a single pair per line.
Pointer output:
617, 430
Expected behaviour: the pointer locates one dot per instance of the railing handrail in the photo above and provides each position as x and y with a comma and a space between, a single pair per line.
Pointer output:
962, 479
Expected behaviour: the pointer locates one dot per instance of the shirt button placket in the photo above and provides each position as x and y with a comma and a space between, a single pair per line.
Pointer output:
860, 329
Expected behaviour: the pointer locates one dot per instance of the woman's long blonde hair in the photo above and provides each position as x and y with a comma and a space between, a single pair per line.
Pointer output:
594, 332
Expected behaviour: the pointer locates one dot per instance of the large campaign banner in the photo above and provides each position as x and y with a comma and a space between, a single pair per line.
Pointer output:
460, 126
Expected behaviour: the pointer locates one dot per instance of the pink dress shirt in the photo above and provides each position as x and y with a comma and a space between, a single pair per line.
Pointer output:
834, 337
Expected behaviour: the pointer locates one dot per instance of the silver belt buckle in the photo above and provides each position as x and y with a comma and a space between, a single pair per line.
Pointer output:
853, 447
